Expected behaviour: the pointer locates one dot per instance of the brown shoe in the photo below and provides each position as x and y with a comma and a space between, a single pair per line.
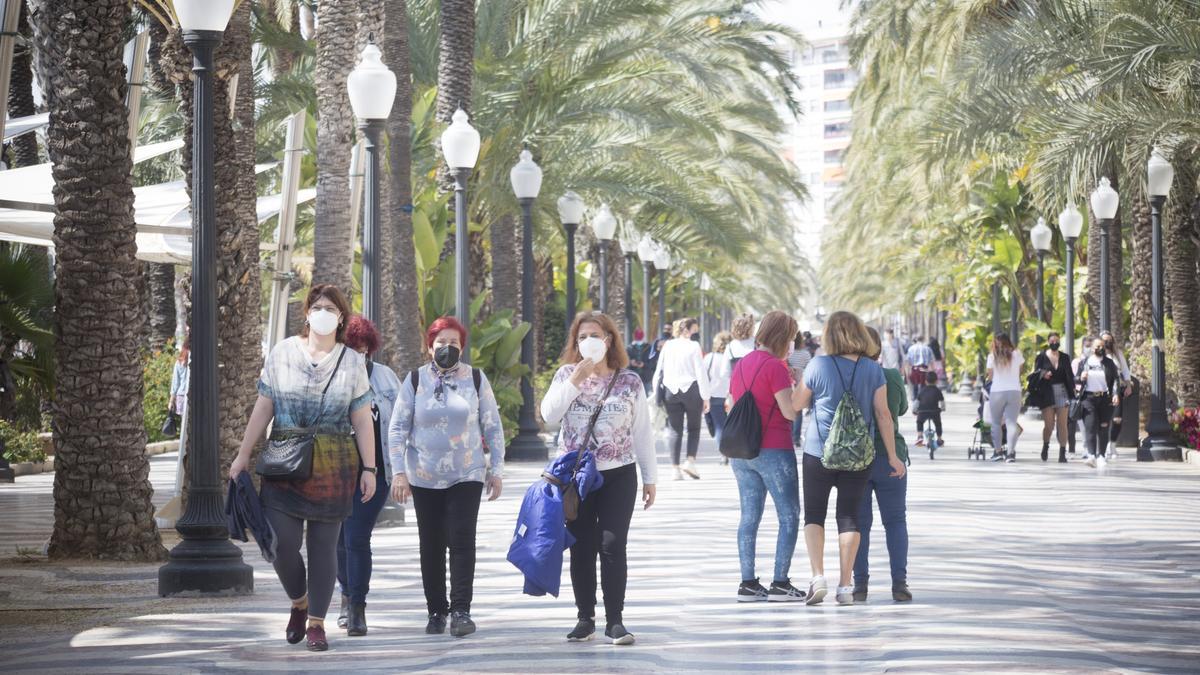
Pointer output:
295, 627
316, 639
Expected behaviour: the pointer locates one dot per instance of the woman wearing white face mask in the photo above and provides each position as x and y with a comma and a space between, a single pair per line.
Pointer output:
594, 375
312, 383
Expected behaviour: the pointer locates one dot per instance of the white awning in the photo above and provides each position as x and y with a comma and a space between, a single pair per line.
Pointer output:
23, 125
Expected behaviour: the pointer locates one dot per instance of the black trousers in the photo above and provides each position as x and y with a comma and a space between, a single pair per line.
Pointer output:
935, 417
684, 404
602, 529
447, 518
819, 482
1096, 423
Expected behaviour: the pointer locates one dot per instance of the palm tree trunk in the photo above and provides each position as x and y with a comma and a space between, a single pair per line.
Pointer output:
20, 95
1183, 280
1140, 315
403, 341
336, 36
506, 268
101, 483
160, 294
456, 70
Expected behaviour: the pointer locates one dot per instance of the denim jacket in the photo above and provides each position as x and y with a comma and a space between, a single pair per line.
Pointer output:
385, 385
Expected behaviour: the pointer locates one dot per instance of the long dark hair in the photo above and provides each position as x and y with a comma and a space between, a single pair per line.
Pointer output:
935, 348
1002, 348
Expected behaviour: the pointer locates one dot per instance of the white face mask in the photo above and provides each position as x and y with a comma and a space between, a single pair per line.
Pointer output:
322, 322
593, 348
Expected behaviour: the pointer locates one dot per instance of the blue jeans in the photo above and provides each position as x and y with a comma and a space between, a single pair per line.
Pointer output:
716, 408
354, 543
773, 471
892, 495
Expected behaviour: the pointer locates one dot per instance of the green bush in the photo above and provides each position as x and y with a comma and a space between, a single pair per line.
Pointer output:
20, 446
156, 373
554, 334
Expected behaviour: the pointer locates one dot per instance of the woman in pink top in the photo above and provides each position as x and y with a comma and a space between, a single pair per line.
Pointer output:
764, 374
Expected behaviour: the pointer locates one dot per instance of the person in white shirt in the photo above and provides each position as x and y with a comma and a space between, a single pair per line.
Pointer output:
1124, 387
891, 356
716, 368
1004, 370
1099, 378
684, 392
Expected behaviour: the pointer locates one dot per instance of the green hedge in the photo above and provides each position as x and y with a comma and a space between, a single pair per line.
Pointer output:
156, 371
20, 446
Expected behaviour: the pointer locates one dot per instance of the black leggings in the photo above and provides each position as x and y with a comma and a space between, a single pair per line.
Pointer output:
935, 417
1096, 423
686, 403
818, 481
447, 518
317, 580
602, 528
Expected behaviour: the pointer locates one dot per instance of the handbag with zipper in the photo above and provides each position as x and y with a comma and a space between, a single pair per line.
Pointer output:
289, 454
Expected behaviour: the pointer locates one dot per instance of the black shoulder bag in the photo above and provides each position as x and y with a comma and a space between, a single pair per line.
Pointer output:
1076, 411
289, 455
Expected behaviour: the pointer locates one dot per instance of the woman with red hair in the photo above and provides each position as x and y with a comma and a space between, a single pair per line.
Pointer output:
445, 418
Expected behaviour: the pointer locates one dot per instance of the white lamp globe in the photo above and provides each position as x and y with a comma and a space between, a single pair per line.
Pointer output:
604, 224
705, 282
460, 142
526, 177
1070, 222
203, 14
628, 239
1105, 200
1041, 235
1159, 174
570, 208
662, 259
646, 250
372, 86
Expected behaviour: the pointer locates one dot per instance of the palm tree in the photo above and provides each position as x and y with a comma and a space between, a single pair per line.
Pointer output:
101, 482
20, 94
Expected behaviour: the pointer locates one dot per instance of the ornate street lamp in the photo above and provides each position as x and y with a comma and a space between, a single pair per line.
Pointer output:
526, 177
1104, 204
205, 561
646, 250
629, 246
705, 323
1159, 443
460, 147
605, 226
1042, 237
372, 89
1070, 223
570, 212
662, 263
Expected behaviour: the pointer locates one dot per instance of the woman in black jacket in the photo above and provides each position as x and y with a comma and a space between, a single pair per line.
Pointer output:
1053, 367
1098, 378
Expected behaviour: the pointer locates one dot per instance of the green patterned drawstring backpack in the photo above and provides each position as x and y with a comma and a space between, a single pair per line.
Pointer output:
850, 446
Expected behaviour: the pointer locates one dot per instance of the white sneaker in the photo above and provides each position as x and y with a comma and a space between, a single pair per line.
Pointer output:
1100, 462
1112, 455
845, 595
1087, 456
678, 474
690, 469
817, 590
1090, 461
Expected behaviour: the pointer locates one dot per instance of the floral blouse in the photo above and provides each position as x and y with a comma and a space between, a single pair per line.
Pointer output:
623, 434
437, 434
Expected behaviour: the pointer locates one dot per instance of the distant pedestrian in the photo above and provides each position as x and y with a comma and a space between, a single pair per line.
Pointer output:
639, 352
844, 369
592, 379
920, 361
892, 356
764, 375
1004, 370
716, 367
685, 393
930, 404
939, 362
1124, 388
891, 492
181, 379
313, 383
797, 360
1099, 377
743, 340
1053, 366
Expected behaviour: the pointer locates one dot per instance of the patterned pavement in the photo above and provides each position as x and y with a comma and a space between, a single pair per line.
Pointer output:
1027, 567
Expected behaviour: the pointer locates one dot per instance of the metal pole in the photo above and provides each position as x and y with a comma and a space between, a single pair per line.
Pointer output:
285, 238
647, 268
569, 229
629, 298
1159, 443
528, 444
462, 244
1013, 328
205, 561
603, 275
1069, 320
1105, 299
1041, 298
11, 14
372, 279
995, 307
662, 301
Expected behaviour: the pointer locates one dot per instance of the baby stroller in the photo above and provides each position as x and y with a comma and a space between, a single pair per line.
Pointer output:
982, 440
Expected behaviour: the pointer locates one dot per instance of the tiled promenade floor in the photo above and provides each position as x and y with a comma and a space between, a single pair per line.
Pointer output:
1028, 567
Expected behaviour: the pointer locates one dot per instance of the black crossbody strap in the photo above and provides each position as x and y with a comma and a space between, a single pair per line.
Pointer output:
321, 409
591, 427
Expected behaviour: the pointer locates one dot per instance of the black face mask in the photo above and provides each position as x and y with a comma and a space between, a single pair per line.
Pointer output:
1053, 346
1099, 351
446, 356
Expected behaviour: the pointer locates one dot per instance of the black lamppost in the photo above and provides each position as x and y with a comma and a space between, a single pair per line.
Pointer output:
646, 251
205, 561
460, 147
372, 89
570, 212
662, 263
1042, 237
628, 250
1104, 205
1159, 443
526, 179
996, 308
605, 227
705, 322
1070, 223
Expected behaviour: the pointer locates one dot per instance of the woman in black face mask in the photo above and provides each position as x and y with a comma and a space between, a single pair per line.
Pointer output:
1098, 377
1124, 388
445, 420
1054, 367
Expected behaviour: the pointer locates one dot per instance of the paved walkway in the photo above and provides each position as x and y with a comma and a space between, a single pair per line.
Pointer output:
1023, 567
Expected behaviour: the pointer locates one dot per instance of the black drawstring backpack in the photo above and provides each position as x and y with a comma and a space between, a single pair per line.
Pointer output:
742, 435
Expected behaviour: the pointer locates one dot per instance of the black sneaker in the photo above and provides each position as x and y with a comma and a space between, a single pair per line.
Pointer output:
1011, 457
618, 634
461, 624
584, 631
751, 591
436, 625
900, 592
860, 591
784, 591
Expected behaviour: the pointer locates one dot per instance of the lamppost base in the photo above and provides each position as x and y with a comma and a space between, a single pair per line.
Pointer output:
205, 567
1159, 449
528, 446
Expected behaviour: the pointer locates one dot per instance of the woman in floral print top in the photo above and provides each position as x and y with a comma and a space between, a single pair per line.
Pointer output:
593, 358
